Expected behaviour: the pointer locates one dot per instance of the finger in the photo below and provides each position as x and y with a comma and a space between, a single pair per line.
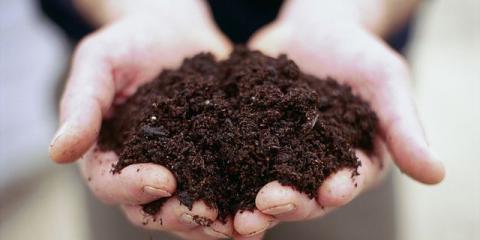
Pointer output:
164, 220
135, 184
220, 230
88, 95
320, 212
383, 79
283, 202
268, 38
200, 214
249, 224
338, 189
216, 43
343, 186
255, 237
195, 234
391, 98
168, 218
139, 218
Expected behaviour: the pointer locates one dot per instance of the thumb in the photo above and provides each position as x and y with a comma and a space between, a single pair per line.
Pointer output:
269, 38
88, 95
401, 127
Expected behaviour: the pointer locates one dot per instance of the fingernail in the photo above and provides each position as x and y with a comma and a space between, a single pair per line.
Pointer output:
435, 158
437, 162
281, 209
343, 185
261, 230
213, 233
438, 168
55, 151
57, 135
157, 192
187, 219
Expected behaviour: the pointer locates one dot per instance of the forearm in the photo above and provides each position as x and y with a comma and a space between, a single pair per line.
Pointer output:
101, 12
384, 17
381, 17
95, 11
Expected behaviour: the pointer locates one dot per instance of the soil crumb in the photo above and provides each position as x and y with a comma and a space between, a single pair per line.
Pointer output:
227, 128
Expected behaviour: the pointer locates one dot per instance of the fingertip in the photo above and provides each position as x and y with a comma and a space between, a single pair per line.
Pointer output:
88, 94
268, 39
275, 199
284, 202
255, 237
143, 183
55, 149
438, 169
440, 173
223, 49
137, 217
200, 215
435, 172
220, 230
337, 190
168, 218
151, 178
251, 223
402, 131
71, 142
422, 165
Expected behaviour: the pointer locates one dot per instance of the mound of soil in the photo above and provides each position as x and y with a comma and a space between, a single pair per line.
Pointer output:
227, 128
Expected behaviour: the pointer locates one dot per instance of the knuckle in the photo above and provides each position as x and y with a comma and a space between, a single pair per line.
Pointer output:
398, 66
99, 192
101, 195
398, 60
85, 45
394, 69
88, 46
135, 219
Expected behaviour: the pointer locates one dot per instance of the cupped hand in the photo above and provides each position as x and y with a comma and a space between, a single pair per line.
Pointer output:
110, 64
107, 67
325, 44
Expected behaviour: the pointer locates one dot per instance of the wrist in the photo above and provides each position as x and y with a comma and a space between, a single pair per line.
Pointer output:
381, 17
374, 16
102, 12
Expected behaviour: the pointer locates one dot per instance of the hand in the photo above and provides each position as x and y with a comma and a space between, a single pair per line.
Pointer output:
107, 67
334, 43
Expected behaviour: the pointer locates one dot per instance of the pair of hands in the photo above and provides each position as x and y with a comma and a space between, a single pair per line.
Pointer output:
111, 63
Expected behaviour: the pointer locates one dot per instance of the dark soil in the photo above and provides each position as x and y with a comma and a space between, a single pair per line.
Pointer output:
227, 128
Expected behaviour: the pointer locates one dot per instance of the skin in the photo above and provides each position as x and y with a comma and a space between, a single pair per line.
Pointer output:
137, 43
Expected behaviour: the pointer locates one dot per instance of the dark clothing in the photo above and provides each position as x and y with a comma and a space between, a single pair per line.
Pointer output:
238, 19
67, 17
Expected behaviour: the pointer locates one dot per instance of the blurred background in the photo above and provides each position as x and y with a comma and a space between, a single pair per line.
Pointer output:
40, 200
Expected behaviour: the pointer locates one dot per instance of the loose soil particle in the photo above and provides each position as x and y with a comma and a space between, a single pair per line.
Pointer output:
227, 128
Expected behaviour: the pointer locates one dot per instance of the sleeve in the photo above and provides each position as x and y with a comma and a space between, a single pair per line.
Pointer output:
229, 16
399, 40
64, 14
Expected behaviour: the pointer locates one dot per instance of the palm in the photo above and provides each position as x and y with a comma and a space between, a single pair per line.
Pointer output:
136, 50
350, 54
108, 66
375, 72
